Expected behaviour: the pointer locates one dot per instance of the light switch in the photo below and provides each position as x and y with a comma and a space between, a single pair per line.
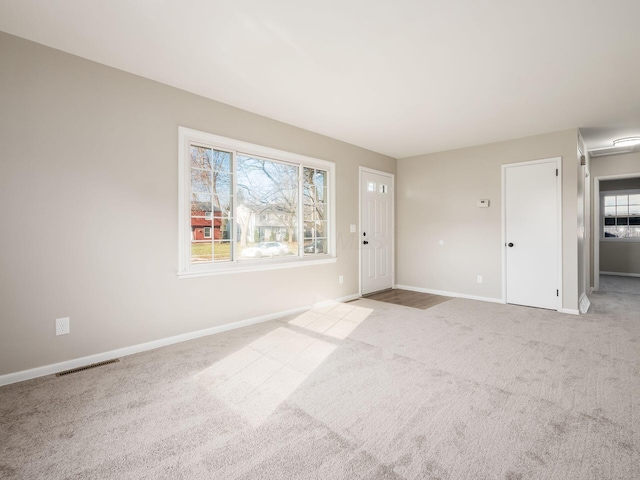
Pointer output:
352, 228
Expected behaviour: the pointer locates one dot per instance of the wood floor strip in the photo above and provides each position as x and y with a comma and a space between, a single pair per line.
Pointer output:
408, 298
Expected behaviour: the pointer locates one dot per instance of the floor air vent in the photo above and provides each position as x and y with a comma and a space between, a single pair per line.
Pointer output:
87, 367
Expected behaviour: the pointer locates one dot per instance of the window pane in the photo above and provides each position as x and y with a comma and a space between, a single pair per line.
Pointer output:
320, 182
321, 229
320, 212
267, 208
609, 201
315, 185
308, 230
221, 161
622, 221
201, 181
634, 232
634, 199
610, 232
222, 251
201, 251
221, 205
221, 183
317, 246
609, 211
199, 208
210, 159
622, 210
210, 204
634, 221
622, 200
634, 210
610, 221
200, 197
201, 157
315, 211
223, 228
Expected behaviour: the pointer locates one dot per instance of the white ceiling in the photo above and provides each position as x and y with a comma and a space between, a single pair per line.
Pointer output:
402, 77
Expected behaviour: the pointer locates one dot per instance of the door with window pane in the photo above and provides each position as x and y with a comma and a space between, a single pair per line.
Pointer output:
376, 230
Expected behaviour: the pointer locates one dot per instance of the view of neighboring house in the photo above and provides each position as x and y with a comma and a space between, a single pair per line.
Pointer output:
270, 226
205, 227
264, 225
259, 224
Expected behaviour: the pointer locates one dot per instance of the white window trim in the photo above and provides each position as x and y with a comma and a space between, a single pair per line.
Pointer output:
609, 193
185, 269
205, 232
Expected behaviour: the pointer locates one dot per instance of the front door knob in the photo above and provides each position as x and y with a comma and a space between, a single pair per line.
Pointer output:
510, 244
365, 243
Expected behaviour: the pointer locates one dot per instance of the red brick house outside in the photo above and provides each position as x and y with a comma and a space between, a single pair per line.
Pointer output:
204, 228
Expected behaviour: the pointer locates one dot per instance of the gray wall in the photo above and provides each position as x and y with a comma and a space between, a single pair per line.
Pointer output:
621, 184
623, 257
584, 238
88, 202
617, 257
436, 199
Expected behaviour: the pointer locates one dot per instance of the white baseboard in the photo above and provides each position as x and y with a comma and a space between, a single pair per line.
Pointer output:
620, 274
584, 303
570, 311
449, 294
163, 342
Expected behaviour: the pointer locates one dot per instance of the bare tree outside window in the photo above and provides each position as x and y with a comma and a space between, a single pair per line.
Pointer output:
270, 191
315, 210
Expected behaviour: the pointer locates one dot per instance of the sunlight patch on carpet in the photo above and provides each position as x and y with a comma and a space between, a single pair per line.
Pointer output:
256, 379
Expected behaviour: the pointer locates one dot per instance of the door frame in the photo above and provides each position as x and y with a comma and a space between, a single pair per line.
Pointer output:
558, 163
392, 176
597, 221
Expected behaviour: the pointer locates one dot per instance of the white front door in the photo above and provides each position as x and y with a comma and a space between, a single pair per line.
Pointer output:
532, 212
376, 231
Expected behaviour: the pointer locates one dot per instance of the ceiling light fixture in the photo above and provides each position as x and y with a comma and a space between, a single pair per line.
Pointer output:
626, 142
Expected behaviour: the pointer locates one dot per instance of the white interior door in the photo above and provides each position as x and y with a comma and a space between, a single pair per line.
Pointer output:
376, 231
531, 234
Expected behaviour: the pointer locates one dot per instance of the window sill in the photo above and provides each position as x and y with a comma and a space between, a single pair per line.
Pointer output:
256, 267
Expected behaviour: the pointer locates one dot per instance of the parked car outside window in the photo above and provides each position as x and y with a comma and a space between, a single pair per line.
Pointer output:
268, 249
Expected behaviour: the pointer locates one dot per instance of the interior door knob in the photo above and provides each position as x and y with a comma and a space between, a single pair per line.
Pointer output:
510, 244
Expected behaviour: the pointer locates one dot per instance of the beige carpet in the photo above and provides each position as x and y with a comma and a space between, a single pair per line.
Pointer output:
464, 390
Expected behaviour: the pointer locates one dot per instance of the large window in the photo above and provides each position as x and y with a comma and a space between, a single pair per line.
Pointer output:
621, 214
246, 207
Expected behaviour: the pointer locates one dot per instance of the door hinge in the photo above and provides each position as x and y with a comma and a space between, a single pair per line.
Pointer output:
556, 172
557, 293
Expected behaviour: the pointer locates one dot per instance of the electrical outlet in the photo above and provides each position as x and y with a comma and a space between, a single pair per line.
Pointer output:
62, 326
479, 278
340, 279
